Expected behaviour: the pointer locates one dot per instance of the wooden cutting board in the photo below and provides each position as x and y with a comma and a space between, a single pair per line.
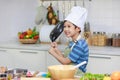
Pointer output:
40, 78
34, 78
70, 79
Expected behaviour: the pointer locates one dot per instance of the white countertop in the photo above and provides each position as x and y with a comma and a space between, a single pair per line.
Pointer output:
18, 45
45, 47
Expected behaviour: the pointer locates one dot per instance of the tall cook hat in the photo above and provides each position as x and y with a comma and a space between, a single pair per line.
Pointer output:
77, 16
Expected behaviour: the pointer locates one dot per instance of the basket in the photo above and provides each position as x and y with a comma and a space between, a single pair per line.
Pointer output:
28, 41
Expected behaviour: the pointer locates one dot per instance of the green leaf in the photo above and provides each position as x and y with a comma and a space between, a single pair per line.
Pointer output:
48, 75
34, 29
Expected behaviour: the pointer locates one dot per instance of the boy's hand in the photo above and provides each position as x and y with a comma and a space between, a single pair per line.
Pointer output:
54, 44
53, 48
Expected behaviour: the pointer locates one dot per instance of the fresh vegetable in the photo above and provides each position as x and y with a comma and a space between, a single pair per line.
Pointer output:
29, 34
36, 37
21, 36
48, 75
115, 75
90, 76
107, 78
29, 31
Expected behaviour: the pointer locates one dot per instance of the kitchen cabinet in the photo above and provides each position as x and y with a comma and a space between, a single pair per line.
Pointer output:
51, 60
6, 59
30, 59
22, 58
103, 63
98, 63
36, 57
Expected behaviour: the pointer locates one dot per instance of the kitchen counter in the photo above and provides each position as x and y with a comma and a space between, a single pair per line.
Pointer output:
14, 54
45, 47
18, 45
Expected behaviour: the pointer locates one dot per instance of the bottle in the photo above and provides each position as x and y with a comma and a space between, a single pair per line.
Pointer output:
117, 40
109, 40
103, 37
94, 39
100, 40
114, 40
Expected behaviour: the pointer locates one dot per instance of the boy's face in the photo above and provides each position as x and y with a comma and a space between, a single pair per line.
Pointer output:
70, 30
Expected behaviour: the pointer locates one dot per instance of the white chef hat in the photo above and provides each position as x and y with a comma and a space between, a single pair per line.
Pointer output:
77, 16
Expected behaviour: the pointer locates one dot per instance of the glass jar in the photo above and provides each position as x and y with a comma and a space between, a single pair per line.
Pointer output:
117, 44
114, 40
102, 39
109, 39
119, 39
95, 39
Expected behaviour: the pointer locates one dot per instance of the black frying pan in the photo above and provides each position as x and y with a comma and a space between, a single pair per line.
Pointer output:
55, 33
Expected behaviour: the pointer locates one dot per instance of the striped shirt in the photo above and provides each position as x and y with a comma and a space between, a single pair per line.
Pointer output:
79, 53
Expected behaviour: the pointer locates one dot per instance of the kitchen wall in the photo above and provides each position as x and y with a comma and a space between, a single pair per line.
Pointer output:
18, 15
103, 15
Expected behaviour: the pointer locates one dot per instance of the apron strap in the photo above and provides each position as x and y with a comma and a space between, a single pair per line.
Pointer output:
79, 37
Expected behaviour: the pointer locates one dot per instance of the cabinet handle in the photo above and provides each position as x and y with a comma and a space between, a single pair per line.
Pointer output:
3, 50
101, 57
28, 52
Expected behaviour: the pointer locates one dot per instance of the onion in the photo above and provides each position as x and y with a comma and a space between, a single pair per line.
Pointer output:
115, 75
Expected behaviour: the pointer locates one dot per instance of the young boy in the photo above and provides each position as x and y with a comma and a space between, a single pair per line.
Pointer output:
78, 49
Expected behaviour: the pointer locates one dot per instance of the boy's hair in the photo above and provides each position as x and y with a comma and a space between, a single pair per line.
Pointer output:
76, 27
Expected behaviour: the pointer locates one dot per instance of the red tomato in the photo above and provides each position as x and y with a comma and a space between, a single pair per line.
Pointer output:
36, 37
24, 33
21, 36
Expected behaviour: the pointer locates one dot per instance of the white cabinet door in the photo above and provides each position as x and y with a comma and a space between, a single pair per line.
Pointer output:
115, 63
103, 63
6, 59
51, 60
29, 59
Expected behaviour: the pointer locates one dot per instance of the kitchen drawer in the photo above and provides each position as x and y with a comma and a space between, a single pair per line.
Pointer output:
23, 58
29, 59
103, 63
6, 59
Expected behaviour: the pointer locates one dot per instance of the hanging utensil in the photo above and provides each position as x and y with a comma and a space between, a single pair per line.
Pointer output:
55, 33
69, 6
75, 3
57, 10
83, 3
63, 9
41, 15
